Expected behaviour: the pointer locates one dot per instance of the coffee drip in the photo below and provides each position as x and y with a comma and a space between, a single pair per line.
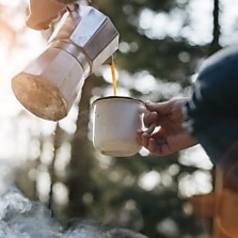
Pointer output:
114, 78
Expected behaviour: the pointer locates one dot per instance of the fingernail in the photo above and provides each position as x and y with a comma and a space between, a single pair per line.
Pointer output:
150, 129
145, 134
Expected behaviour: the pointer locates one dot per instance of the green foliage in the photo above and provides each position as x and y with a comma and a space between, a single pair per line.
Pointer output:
160, 57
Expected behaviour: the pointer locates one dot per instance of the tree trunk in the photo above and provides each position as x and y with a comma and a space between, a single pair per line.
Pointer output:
79, 179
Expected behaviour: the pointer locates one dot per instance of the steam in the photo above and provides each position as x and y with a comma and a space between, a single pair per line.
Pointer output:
21, 217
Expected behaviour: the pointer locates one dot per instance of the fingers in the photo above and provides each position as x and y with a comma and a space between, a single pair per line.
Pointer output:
142, 138
155, 145
156, 112
167, 107
151, 118
162, 108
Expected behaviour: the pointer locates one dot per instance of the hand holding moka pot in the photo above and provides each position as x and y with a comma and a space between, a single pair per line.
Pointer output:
49, 85
43, 12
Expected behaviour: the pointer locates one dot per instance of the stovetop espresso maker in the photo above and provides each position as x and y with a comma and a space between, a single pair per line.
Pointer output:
85, 39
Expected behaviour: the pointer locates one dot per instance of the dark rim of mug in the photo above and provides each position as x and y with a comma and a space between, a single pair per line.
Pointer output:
116, 97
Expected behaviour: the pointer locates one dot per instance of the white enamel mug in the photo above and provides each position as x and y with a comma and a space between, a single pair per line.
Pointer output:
115, 123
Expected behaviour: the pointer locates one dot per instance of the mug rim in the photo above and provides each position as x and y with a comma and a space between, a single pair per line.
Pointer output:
116, 97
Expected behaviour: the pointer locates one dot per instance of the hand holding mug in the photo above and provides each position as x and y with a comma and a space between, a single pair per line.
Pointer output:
171, 135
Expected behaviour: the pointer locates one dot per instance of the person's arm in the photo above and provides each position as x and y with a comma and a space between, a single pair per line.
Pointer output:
171, 135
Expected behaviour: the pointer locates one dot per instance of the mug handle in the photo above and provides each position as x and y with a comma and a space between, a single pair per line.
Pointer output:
152, 127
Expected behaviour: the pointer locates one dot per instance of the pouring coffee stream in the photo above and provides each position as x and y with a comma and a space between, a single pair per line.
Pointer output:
84, 40
114, 79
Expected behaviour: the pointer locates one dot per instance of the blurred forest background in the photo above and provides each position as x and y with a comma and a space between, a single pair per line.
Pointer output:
162, 45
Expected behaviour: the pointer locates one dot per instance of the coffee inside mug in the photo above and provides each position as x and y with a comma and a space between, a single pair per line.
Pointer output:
116, 120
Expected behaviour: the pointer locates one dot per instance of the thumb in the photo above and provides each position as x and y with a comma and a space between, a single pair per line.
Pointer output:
160, 107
